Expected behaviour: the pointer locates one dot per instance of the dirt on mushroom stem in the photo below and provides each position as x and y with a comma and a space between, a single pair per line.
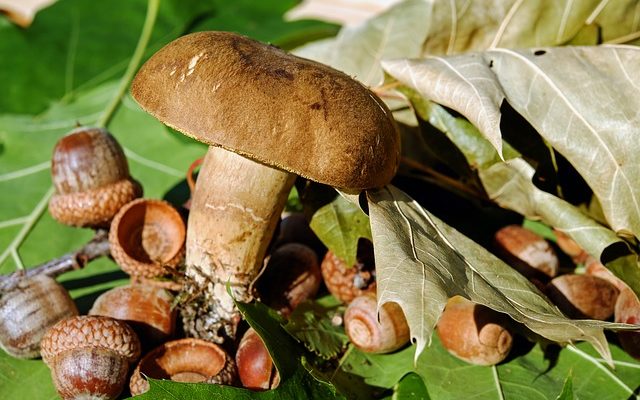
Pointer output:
235, 208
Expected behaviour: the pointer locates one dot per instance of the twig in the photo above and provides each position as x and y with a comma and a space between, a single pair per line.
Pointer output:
446, 180
97, 247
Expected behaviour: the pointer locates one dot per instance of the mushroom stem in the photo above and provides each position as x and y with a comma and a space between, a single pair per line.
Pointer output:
235, 208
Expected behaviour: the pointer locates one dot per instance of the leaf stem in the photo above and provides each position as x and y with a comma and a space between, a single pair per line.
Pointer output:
554, 163
26, 228
446, 180
343, 359
496, 379
136, 58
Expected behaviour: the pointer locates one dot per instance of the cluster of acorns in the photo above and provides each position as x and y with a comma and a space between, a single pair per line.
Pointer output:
594, 294
91, 356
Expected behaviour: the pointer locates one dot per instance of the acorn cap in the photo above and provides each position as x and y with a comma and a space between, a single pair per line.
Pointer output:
346, 282
147, 309
90, 173
147, 236
287, 112
184, 360
90, 331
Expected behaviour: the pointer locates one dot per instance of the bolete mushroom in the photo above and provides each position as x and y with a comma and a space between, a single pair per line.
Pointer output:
267, 116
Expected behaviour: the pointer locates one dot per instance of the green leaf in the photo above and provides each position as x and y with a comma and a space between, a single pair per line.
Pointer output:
410, 387
339, 225
567, 390
510, 185
311, 322
535, 375
72, 46
463, 26
263, 21
357, 51
296, 381
540, 229
415, 28
546, 86
421, 262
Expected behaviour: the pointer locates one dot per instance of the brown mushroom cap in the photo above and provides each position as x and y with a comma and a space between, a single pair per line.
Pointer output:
278, 109
90, 331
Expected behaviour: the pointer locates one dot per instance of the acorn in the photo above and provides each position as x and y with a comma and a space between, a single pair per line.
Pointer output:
89, 356
147, 309
583, 296
596, 268
474, 333
185, 360
346, 282
26, 312
294, 228
528, 253
147, 238
627, 310
91, 177
374, 332
570, 247
255, 366
292, 275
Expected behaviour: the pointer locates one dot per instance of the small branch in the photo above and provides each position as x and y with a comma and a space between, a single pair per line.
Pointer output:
97, 247
444, 179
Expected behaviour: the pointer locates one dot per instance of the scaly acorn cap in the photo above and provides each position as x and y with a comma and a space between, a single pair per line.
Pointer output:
90, 331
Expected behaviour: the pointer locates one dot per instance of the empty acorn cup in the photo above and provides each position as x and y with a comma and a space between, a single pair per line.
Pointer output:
147, 237
185, 360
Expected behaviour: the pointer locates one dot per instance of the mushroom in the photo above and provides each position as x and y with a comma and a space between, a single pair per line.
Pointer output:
267, 116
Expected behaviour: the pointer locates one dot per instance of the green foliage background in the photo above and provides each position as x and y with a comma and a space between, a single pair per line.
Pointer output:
66, 69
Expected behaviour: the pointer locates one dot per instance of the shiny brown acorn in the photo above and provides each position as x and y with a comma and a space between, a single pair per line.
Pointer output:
627, 311
28, 310
474, 333
147, 309
570, 247
90, 356
594, 267
346, 282
583, 296
527, 252
147, 238
184, 360
294, 228
255, 366
374, 332
291, 276
91, 177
